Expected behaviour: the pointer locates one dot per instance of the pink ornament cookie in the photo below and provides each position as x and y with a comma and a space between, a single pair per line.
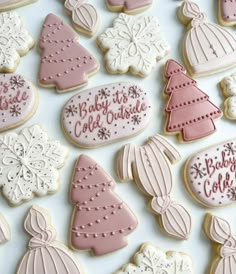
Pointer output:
190, 111
13, 4
128, 6
210, 175
150, 167
219, 232
105, 114
65, 64
227, 12
207, 47
45, 254
101, 220
5, 233
84, 16
18, 100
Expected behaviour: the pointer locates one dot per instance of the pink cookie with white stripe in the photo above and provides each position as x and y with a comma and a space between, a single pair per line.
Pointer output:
128, 6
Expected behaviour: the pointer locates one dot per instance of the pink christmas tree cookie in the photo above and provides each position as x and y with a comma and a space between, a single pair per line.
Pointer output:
227, 12
150, 167
219, 232
128, 6
101, 220
190, 112
65, 64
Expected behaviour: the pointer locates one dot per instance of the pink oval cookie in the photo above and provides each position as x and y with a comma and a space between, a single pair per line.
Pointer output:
210, 175
105, 114
18, 100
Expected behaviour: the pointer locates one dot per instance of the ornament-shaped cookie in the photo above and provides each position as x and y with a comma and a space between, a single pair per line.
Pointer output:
219, 232
128, 6
101, 220
13, 4
65, 64
133, 44
15, 41
150, 167
45, 254
84, 16
227, 12
190, 112
29, 163
150, 260
210, 175
5, 233
207, 47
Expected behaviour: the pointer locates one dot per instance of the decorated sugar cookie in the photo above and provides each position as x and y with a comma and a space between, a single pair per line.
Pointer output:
5, 233
29, 163
128, 6
84, 15
227, 12
105, 114
45, 255
150, 167
219, 232
207, 47
133, 44
18, 100
190, 112
152, 260
65, 64
15, 41
101, 220
210, 175
228, 85
12, 4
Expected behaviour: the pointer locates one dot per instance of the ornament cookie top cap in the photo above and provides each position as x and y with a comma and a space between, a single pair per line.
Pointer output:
208, 48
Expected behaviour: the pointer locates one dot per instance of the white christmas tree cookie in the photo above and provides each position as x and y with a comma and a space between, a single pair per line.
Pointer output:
133, 44
152, 260
228, 85
5, 233
15, 41
28, 164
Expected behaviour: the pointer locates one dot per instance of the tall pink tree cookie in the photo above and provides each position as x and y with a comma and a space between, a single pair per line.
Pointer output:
190, 111
150, 167
65, 64
227, 12
128, 6
101, 220
219, 232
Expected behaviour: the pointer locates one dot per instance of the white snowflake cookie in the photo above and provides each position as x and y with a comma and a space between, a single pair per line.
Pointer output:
134, 44
228, 85
152, 260
29, 164
15, 41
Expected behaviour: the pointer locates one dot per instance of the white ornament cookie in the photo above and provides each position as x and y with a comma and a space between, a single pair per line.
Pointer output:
15, 41
13, 4
133, 44
28, 164
228, 85
150, 260
5, 233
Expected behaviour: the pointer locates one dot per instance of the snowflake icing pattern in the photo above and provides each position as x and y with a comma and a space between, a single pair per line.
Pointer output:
136, 119
29, 163
230, 148
71, 110
231, 194
104, 93
134, 92
15, 110
133, 43
17, 81
104, 133
14, 39
198, 171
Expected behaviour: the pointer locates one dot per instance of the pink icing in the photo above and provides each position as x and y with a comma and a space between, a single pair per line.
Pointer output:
219, 232
189, 109
18, 98
149, 166
104, 114
210, 175
64, 63
228, 10
130, 4
101, 220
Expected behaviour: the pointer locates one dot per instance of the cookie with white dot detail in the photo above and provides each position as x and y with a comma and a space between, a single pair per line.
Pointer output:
29, 163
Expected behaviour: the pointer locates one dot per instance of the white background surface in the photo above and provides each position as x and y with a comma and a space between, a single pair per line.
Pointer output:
48, 115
